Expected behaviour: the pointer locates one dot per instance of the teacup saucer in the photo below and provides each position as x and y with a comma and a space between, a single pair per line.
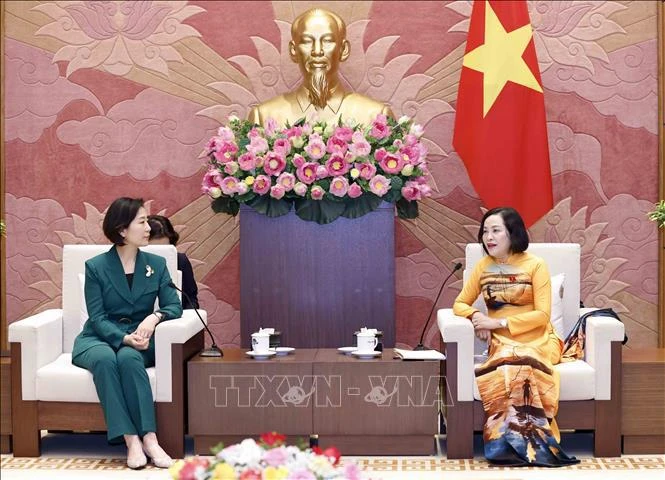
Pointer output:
347, 350
260, 355
281, 351
365, 355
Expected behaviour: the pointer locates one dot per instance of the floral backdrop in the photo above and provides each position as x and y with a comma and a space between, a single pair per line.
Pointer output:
104, 99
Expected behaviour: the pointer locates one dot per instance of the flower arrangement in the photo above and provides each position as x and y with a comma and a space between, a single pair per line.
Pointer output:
269, 459
324, 171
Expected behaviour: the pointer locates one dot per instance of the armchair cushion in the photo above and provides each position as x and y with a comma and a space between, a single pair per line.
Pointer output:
61, 381
556, 309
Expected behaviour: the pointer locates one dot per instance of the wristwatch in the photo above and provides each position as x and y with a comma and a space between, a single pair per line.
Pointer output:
504, 323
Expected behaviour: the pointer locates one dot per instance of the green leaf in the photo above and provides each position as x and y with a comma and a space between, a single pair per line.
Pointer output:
319, 211
357, 207
300, 122
407, 209
246, 197
269, 206
226, 205
396, 183
392, 196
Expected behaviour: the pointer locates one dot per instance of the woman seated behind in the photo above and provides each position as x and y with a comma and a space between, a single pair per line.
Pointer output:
518, 384
117, 342
163, 233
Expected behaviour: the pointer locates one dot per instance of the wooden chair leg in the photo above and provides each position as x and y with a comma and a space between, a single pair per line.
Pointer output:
459, 415
26, 438
607, 436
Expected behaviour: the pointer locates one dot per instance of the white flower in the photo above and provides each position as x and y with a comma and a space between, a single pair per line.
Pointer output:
403, 119
246, 452
148, 271
233, 118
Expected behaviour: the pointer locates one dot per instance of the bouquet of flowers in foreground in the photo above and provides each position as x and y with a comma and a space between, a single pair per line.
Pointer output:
270, 459
324, 171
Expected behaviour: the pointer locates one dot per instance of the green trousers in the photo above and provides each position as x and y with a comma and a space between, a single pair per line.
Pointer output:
123, 388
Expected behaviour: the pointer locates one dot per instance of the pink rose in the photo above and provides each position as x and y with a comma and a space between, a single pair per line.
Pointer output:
254, 132
410, 154
277, 191
274, 163
225, 152
287, 181
380, 128
336, 165
241, 188
306, 173
300, 189
411, 191
410, 140
317, 192
270, 127
257, 145
229, 185
391, 163
321, 172
247, 162
282, 146
301, 475
355, 191
367, 170
231, 168
379, 185
344, 133
298, 160
211, 179
293, 132
358, 136
380, 154
315, 149
261, 184
226, 134
360, 149
336, 145
339, 186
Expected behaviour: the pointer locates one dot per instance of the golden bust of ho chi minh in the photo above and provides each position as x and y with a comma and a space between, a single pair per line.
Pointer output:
318, 45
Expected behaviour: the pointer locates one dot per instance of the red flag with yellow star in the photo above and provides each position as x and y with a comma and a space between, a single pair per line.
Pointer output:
500, 128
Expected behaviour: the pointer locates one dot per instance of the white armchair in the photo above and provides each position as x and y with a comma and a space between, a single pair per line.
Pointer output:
590, 395
49, 393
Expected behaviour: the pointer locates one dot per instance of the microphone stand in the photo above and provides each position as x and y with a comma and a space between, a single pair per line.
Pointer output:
214, 350
420, 345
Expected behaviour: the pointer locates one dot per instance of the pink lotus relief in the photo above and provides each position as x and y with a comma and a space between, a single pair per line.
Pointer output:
35, 93
152, 133
120, 35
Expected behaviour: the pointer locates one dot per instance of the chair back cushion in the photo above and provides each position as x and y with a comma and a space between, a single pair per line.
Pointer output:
73, 264
560, 258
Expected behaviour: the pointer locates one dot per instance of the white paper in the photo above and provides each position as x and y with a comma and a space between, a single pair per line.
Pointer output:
419, 354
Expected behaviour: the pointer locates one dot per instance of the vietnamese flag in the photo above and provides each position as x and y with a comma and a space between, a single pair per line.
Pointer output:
500, 128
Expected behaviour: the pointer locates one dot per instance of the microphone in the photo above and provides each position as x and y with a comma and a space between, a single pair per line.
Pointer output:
422, 335
214, 350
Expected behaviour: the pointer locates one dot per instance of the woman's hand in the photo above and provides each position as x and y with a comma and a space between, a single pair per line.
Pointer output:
483, 334
135, 341
147, 327
483, 322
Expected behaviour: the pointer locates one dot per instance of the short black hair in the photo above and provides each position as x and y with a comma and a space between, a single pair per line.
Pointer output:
161, 227
119, 215
519, 237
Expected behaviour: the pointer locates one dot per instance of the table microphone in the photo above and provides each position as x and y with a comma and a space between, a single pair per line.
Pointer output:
455, 268
214, 350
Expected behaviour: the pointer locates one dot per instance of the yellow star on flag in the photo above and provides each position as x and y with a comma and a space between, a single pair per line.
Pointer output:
500, 59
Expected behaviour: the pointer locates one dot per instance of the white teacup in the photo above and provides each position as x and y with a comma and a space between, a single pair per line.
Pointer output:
367, 342
373, 331
260, 341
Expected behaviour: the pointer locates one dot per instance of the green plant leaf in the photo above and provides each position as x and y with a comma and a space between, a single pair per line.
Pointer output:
226, 205
407, 209
269, 206
357, 207
319, 211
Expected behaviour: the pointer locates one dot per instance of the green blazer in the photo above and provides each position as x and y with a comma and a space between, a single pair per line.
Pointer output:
109, 298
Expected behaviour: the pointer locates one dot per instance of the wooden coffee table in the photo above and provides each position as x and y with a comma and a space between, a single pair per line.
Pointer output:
376, 406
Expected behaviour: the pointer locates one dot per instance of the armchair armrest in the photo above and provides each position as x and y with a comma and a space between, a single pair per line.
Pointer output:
176, 331
459, 330
601, 331
40, 337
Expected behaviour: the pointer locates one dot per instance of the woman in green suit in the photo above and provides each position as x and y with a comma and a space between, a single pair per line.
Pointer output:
117, 342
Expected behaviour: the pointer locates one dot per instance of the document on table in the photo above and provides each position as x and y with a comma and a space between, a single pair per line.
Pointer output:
419, 354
